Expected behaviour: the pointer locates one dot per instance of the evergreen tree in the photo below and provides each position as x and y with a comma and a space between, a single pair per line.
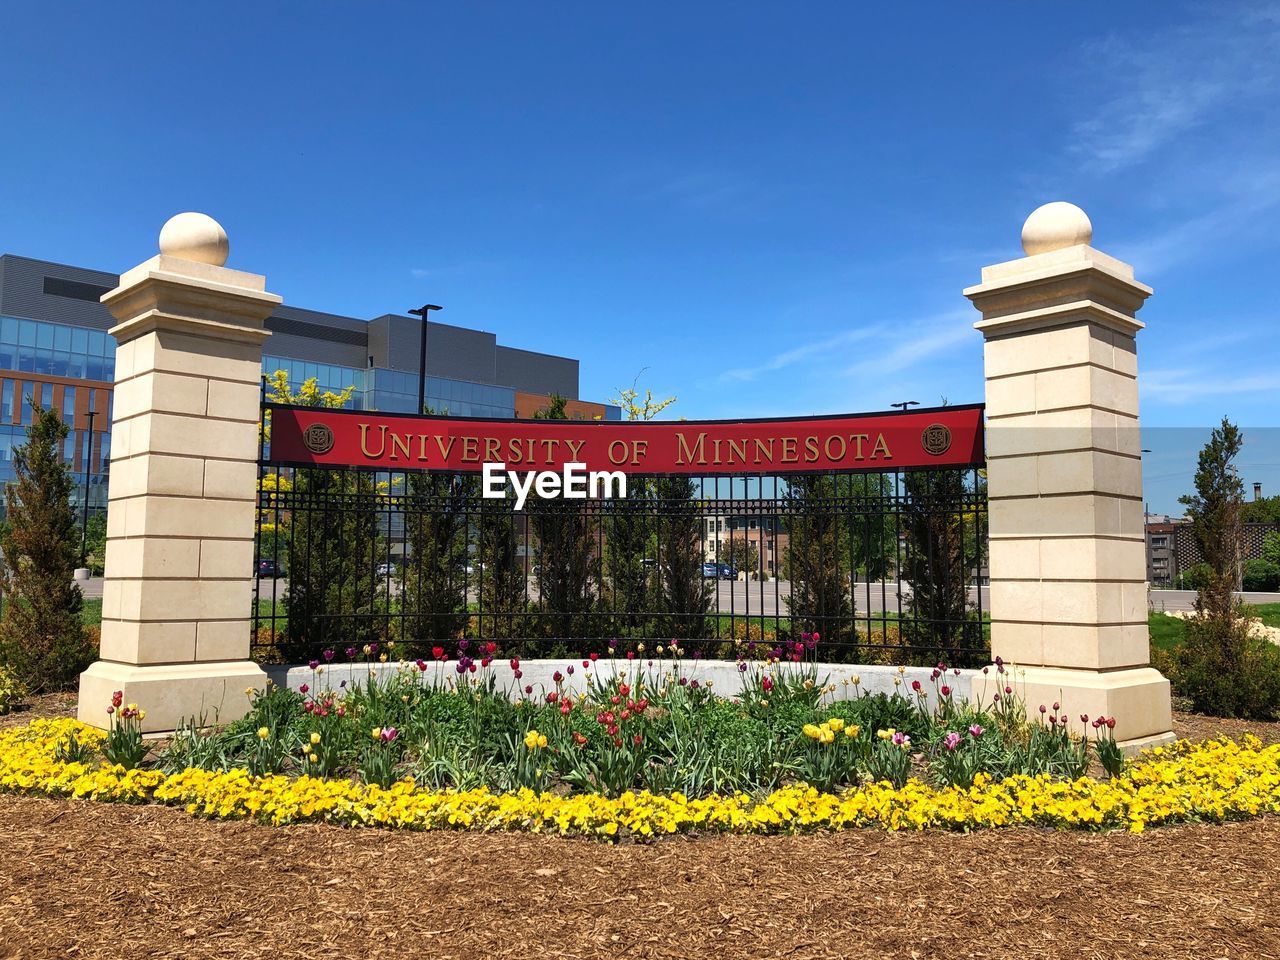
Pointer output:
818, 558
628, 548
334, 597
41, 637
684, 596
1220, 666
502, 577
1215, 515
942, 552
433, 594
323, 525
568, 573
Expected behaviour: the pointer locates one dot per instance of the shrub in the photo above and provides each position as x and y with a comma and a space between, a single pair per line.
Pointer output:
1225, 671
1195, 577
1261, 575
11, 690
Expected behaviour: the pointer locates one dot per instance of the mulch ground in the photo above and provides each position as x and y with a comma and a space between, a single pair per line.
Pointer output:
96, 880
87, 880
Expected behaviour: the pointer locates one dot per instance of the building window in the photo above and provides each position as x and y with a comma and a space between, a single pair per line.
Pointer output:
1159, 541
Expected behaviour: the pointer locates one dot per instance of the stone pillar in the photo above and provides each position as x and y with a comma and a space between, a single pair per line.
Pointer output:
1064, 469
180, 523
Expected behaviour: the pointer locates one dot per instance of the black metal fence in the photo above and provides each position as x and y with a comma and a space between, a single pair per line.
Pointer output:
885, 567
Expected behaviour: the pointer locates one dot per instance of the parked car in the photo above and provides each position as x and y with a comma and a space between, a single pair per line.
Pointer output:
711, 570
728, 572
386, 569
269, 570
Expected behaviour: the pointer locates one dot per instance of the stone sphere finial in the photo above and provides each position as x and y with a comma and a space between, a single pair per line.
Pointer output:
194, 236
1054, 226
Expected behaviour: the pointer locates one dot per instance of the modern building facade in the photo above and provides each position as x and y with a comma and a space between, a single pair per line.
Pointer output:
55, 351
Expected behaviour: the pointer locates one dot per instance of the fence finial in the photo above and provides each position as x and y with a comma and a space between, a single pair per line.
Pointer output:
1054, 226
195, 236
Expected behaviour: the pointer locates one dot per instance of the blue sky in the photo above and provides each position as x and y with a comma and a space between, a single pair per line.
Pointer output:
768, 208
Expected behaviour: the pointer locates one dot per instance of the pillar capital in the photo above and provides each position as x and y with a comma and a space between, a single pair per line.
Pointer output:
1058, 288
168, 292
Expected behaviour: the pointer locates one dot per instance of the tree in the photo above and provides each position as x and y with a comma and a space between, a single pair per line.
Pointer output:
1262, 510
1220, 665
636, 408
817, 560
684, 596
568, 572
740, 553
502, 575
433, 584
1214, 513
96, 543
41, 637
324, 525
943, 550
629, 530
1271, 548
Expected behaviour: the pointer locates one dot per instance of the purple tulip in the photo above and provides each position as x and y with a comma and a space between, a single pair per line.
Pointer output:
313, 664
950, 741
328, 655
976, 731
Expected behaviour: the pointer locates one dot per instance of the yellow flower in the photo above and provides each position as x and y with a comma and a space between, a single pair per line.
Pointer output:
376, 733
315, 738
886, 734
852, 731
263, 733
535, 740
836, 724
811, 731
142, 714
313, 758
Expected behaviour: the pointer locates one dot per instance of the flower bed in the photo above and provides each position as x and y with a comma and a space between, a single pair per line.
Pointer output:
1213, 781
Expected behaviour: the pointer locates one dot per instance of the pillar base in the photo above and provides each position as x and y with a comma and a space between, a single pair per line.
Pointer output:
1138, 697
170, 693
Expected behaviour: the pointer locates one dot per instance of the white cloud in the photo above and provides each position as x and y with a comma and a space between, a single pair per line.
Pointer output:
1188, 384
1154, 88
918, 340
806, 351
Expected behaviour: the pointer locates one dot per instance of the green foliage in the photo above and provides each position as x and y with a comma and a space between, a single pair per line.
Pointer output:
96, 543
1195, 577
1262, 510
684, 597
336, 550
435, 575
568, 571
741, 553
1221, 666
1225, 671
1271, 548
1214, 513
943, 548
629, 549
1262, 575
41, 637
12, 690
817, 559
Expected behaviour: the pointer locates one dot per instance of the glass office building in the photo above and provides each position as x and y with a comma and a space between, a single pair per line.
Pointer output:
55, 352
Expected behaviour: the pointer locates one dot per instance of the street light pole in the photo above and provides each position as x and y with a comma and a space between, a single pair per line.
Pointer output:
84, 513
422, 312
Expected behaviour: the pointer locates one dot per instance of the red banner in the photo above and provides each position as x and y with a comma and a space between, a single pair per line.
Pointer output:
940, 437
